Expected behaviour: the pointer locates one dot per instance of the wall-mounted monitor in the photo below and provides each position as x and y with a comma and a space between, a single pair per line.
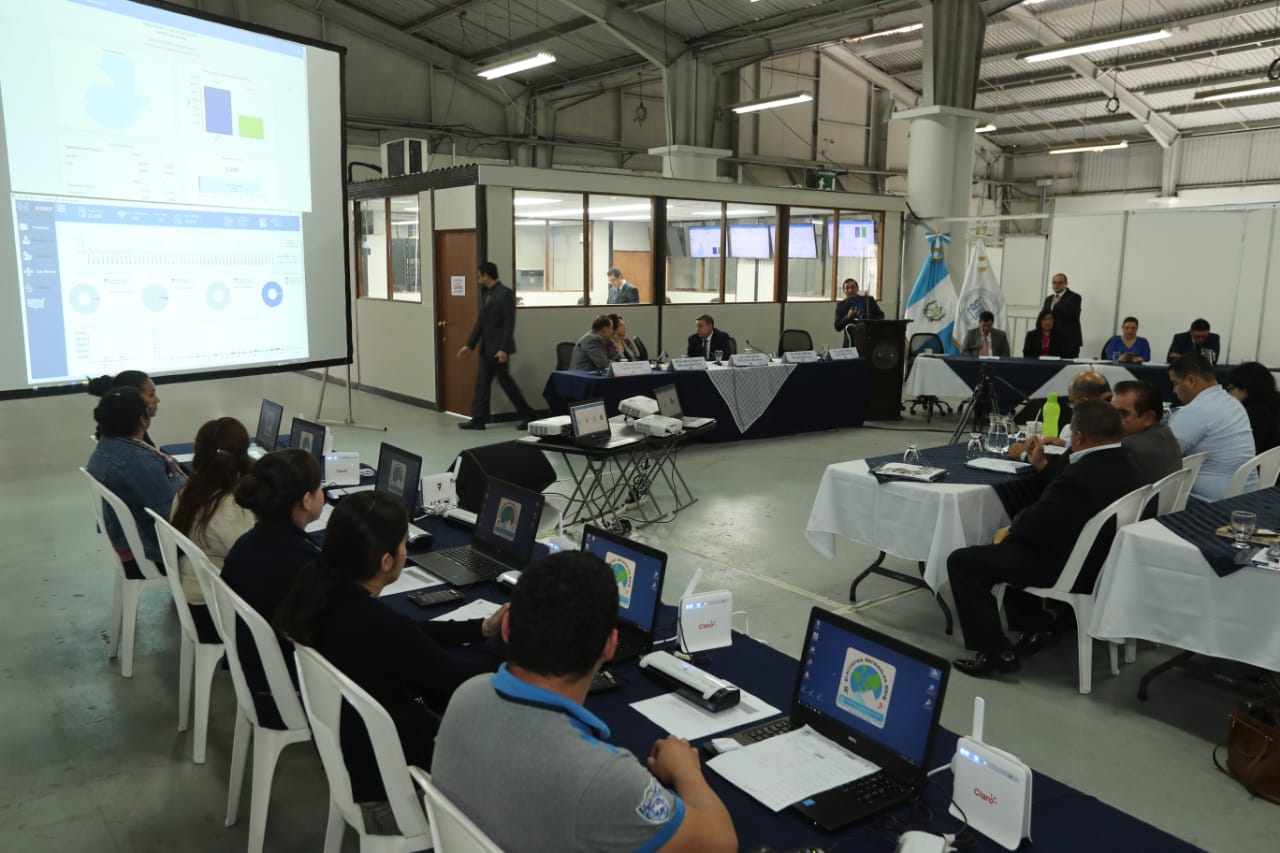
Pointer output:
677, 245
802, 240
704, 241
857, 238
750, 241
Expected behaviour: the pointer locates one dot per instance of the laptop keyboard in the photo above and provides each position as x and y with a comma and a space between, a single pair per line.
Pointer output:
874, 789
478, 564
764, 731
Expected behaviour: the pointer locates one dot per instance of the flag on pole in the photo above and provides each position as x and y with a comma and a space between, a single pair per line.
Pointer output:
932, 304
981, 292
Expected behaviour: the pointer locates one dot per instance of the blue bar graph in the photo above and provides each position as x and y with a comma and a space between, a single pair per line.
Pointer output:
217, 110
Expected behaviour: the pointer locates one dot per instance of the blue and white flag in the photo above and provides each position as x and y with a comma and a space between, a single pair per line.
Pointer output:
932, 304
981, 292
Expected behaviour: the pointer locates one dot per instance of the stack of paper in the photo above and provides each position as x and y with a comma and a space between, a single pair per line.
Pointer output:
782, 770
1000, 466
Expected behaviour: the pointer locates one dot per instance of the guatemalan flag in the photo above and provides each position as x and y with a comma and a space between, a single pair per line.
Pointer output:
932, 305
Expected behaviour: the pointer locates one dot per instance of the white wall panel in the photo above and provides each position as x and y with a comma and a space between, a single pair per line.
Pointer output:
1268, 351
1087, 249
1022, 272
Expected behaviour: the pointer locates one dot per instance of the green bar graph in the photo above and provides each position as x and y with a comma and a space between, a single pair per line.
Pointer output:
251, 127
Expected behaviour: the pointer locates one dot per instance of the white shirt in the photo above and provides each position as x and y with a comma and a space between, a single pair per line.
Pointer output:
1077, 455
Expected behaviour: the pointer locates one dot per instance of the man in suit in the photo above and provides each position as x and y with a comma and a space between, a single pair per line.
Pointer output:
1065, 304
855, 307
1038, 544
707, 340
493, 336
591, 350
621, 291
1199, 340
1147, 439
986, 339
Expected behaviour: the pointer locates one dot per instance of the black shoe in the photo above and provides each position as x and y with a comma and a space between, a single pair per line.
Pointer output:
1030, 642
471, 424
989, 663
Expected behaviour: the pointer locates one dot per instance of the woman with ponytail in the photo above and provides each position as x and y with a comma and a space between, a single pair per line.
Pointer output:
129, 379
411, 668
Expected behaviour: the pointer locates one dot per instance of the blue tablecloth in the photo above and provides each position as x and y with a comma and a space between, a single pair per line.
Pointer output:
823, 395
1199, 522
1016, 491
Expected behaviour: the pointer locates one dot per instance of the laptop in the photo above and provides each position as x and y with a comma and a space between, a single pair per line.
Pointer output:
308, 436
591, 428
269, 418
877, 697
640, 572
503, 539
399, 475
669, 407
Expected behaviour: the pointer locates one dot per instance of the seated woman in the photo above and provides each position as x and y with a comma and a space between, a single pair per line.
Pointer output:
141, 476
206, 511
631, 348
129, 379
1127, 346
410, 667
1042, 340
1254, 386
282, 490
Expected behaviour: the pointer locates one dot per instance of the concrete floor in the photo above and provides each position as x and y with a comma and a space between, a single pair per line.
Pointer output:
94, 761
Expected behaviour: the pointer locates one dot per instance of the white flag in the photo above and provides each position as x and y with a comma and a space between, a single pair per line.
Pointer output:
981, 292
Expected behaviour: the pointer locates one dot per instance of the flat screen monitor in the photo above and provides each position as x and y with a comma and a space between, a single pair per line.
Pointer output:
639, 571
802, 240
704, 241
677, 242
857, 238
308, 436
750, 241
399, 475
508, 519
270, 416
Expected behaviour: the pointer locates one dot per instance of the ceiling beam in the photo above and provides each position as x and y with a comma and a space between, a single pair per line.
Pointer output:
417, 25
657, 45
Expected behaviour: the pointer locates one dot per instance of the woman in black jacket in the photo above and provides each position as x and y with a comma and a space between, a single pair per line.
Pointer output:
1254, 386
1042, 340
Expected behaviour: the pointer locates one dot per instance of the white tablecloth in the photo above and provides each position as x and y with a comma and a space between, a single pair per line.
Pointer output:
933, 377
1157, 586
748, 391
914, 521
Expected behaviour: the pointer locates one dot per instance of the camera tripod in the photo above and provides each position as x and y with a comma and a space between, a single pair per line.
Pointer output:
982, 404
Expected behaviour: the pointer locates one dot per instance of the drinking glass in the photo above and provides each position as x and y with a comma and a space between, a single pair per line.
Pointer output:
998, 437
911, 456
1243, 523
973, 450
719, 355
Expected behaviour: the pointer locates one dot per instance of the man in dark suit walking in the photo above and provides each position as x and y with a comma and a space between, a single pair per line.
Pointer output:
1038, 544
494, 336
1065, 304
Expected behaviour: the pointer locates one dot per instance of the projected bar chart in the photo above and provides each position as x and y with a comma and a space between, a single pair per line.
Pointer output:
218, 116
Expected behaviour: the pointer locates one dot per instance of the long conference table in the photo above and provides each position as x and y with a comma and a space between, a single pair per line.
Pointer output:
747, 402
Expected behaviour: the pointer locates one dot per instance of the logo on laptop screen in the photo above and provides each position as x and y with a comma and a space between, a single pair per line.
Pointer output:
305, 441
508, 519
866, 684
624, 572
395, 482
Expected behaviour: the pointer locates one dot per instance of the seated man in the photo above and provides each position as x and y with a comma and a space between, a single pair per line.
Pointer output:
986, 339
591, 350
1038, 545
1197, 341
520, 755
1211, 421
1149, 442
708, 340
1087, 385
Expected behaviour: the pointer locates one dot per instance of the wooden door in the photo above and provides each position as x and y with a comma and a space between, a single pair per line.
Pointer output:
455, 317
635, 267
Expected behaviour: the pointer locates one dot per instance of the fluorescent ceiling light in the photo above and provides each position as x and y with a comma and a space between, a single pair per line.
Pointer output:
909, 28
771, 102
733, 211
526, 202
1248, 90
986, 128
1091, 45
620, 208
551, 214
514, 66
1101, 146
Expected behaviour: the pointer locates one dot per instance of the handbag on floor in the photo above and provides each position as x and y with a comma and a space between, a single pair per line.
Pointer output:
1253, 748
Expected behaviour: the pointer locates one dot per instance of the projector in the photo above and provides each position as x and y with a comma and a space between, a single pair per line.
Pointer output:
657, 425
638, 406
555, 425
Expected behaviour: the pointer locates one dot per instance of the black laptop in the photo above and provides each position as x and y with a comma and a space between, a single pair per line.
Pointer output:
640, 572
877, 697
506, 528
669, 407
591, 427
308, 436
269, 418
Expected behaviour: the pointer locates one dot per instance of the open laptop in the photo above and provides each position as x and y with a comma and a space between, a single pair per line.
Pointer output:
875, 696
669, 407
640, 572
269, 418
503, 539
590, 423
308, 436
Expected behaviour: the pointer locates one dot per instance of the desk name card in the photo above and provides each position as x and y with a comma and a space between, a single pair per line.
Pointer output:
749, 359
842, 353
695, 363
630, 368
803, 356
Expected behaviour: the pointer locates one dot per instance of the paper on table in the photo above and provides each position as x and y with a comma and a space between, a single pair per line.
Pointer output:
784, 769
1054, 450
322, 522
682, 718
478, 609
183, 458
1000, 466
411, 579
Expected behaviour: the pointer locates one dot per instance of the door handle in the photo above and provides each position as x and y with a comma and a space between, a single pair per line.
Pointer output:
440, 323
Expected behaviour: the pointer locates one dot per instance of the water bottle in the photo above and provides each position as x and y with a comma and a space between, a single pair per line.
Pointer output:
973, 450
911, 456
1051, 412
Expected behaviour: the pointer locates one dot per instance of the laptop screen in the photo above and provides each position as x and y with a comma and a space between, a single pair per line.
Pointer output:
269, 418
308, 436
883, 690
589, 418
639, 571
399, 472
508, 519
668, 401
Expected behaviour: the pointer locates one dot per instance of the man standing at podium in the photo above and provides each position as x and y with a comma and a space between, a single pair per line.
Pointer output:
1065, 304
855, 307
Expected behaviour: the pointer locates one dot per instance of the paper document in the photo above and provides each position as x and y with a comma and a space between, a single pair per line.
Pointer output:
350, 490
1000, 466
183, 458
411, 579
478, 609
322, 522
682, 718
1054, 450
782, 770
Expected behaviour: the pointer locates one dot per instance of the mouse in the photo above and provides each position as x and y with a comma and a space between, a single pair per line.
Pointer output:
423, 538
509, 578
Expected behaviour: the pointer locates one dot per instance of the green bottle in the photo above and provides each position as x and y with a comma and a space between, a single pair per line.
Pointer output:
1051, 412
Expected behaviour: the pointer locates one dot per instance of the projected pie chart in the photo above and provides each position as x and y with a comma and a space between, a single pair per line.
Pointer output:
218, 295
155, 297
272, 294
84, 299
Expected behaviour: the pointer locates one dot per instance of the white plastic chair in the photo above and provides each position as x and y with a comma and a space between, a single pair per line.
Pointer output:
197, 661
451, 830
323, 689
124, 606
1125, 511
1170, 493
1194, 463
1266, 463
226, 607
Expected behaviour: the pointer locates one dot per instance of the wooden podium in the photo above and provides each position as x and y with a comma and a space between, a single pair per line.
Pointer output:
883, 344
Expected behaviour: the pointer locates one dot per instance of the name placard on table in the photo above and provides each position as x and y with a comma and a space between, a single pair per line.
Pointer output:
803, 356
842, 353
630, 368
686, 363
749, 359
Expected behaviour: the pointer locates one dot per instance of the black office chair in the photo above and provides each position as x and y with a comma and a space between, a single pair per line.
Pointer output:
564, 354
733, 346
641, 349
925, 342
794, 340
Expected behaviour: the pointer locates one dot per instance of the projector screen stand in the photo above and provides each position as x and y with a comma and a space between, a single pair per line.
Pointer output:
349, 420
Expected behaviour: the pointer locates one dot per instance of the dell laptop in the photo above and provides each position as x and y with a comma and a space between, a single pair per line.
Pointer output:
591, 427
269, 418
506, 528
308, 436
669, 407
640, 572
877, 697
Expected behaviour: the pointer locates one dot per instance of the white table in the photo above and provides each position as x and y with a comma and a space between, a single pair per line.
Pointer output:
931, 376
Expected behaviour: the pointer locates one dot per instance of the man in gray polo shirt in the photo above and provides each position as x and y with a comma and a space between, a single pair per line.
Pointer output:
519, 754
